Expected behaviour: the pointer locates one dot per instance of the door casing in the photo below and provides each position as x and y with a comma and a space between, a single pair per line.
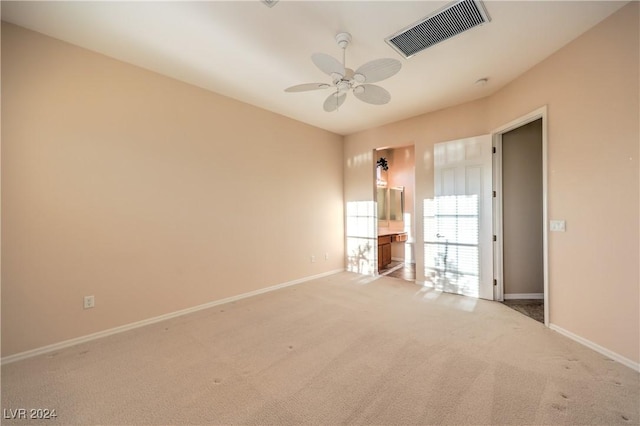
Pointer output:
498, 257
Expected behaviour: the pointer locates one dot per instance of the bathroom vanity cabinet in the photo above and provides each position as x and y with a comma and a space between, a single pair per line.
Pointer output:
384, 246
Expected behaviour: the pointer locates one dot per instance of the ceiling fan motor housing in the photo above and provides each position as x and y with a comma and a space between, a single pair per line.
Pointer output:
343, 39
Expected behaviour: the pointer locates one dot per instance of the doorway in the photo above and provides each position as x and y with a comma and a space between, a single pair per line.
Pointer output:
394, 197
521, 261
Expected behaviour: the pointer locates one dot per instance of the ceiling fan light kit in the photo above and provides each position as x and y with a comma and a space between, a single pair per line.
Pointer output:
346, 79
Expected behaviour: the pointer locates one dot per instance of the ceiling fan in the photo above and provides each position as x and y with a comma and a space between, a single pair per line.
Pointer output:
345, 79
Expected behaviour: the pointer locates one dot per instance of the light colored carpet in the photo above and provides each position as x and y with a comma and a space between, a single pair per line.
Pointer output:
344, 349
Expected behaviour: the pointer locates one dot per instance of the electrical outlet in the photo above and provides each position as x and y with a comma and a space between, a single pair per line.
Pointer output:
326, 256
557, 226
89, 302
313, 259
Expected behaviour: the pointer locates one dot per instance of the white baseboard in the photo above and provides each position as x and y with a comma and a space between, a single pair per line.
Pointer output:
604, 351
513, 296
401, 259
89, 337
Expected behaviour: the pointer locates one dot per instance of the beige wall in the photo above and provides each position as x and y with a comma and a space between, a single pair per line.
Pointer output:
154, 195
591, 88
522, 210
150, 194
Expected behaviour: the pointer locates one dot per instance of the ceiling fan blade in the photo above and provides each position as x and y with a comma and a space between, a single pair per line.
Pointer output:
372, 94
306, 87
377, 70
328, 64
334, 101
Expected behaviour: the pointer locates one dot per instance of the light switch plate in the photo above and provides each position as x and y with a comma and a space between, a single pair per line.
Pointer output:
557, 226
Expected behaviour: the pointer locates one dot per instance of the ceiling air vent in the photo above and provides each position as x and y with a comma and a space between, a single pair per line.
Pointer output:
441, 25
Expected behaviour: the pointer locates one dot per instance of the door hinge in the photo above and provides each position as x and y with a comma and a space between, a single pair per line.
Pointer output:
495, 282
494, 149
494, 194
495, 238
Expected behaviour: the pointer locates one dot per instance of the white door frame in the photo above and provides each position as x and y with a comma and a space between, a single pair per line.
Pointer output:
498, 264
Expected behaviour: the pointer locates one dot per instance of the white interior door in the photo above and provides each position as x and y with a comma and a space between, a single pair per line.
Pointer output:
458, 231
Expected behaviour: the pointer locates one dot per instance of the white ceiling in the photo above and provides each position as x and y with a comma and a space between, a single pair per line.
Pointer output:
250, 52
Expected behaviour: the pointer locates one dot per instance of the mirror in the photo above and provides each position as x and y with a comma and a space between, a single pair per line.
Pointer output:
390, 205
396, 204
382, 204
